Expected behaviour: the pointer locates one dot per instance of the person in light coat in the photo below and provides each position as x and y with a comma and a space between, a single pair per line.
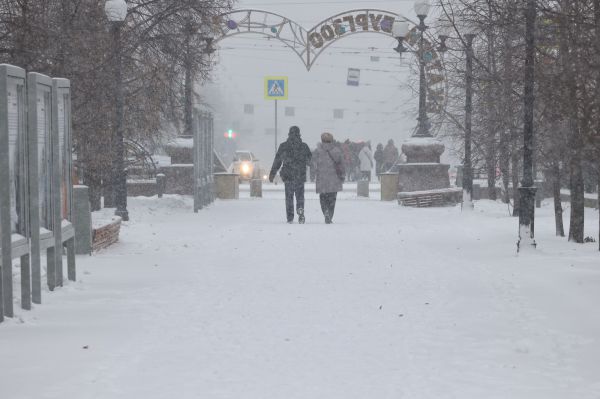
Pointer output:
365, 157
328, 161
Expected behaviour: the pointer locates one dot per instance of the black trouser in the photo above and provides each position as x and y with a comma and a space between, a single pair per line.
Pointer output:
366, 175
293, 188
328, 203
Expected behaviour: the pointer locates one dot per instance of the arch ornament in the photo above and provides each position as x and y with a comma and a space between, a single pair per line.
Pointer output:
310, 44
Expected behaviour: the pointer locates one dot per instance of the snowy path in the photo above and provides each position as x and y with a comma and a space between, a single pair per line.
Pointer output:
388, 302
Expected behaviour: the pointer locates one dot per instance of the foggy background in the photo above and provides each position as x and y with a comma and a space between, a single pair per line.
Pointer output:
383, 106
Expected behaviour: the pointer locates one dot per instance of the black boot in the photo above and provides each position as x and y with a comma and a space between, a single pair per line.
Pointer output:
301, 215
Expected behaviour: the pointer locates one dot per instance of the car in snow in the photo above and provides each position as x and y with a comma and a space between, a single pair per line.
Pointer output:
246, 165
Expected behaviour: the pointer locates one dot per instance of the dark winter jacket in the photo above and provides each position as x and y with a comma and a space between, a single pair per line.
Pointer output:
390, 154
293, 156
378, 154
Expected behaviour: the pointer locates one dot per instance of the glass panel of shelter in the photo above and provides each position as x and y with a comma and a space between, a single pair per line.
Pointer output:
44, 156
17, 155
64, 156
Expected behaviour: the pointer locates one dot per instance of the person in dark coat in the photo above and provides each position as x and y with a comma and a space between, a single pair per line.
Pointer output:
390, 156
329, 169
378, 159
293, 156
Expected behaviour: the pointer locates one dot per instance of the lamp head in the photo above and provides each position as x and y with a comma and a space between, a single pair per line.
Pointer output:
400, 29
116, 10
469, 31
422, 8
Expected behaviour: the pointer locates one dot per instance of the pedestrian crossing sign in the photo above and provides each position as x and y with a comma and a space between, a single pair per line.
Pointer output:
276, 88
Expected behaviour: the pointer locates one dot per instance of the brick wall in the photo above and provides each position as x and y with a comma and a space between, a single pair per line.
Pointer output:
105, 236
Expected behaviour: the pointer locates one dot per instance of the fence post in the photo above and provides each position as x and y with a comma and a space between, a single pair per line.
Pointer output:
161, 183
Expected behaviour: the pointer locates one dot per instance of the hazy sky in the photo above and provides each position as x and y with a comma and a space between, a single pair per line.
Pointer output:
383, 106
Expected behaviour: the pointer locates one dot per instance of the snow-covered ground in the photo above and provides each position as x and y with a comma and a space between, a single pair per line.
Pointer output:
387, 302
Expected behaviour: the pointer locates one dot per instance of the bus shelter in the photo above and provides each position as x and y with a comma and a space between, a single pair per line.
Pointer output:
40, 95
62, 186
14, 193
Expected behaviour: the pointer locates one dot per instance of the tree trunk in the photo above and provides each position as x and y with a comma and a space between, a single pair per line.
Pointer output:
558, 211
505, 171
108, 190
515, 182
576, 226
508, 136
491, 171
94, 182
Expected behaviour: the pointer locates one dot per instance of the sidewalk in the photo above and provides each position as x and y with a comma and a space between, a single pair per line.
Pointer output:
388, 302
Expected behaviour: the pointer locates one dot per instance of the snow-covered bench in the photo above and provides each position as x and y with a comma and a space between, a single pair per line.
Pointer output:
428, 198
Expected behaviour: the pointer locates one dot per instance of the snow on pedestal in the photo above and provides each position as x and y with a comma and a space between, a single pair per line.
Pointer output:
180, 174
181, 151
422, 170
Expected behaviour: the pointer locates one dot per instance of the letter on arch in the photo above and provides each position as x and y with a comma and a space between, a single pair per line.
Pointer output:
386, 24
316, 39
362, 21
327, 32
375, 21
350, 20
337, 27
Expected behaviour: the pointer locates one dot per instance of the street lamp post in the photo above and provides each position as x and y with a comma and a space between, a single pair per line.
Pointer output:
468, 166
399, 31
527, 190
467, 177
207, 35
188, 64
116, 12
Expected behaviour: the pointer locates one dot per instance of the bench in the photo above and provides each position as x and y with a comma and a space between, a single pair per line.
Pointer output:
430, 198
422, 201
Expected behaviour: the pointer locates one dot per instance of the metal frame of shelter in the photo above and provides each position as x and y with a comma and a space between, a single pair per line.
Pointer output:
310, 44
62, 173
14, 192
40, 96
35, 182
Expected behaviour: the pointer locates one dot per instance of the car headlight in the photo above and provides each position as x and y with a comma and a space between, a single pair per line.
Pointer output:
245, 168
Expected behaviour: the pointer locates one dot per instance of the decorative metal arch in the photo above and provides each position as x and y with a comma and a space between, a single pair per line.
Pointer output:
310, 44
267, 24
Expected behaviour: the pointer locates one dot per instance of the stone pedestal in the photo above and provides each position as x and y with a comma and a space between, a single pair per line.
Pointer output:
362, 188
227, 185
161, 182
422, 176
423, 170
181, 150
476, 195
179, 179
82, 220
256, 188
389, 186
